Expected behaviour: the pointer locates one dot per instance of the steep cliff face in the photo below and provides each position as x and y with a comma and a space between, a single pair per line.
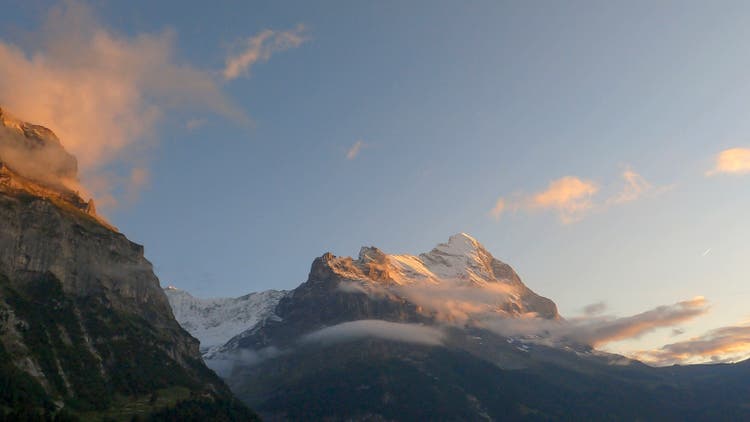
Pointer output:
84, 324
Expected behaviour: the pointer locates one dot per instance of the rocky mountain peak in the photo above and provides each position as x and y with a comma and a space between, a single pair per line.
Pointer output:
33, 161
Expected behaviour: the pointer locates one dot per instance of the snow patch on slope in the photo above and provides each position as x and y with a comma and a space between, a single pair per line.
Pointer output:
215, 321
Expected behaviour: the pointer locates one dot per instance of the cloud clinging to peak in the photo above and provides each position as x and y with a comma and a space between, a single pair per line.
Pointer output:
103, 92
260, 47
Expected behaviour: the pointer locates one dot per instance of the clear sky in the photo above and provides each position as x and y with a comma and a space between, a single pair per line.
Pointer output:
578, 141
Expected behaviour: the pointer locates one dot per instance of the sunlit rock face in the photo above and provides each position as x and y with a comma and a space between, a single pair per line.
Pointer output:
35, 153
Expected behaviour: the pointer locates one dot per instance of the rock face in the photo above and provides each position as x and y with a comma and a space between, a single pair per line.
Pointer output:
84, 324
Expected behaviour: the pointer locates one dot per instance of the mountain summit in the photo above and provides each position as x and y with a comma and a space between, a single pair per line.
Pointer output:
33, 161
461, 263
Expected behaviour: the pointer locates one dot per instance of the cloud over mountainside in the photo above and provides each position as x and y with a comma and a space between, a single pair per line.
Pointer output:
103, 93
355, 330
36, 153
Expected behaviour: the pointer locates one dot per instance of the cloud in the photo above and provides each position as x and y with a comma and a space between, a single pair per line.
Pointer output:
452, 303
574, 198
498, 209
594, 308
635, 187
224, 363
102, 92
725, 344
356, 330
570, 196
260, 47
456, 303
732, 161
353, 152
598, 331
45, 161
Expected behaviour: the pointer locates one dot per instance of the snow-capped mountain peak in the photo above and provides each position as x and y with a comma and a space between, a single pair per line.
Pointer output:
215, 321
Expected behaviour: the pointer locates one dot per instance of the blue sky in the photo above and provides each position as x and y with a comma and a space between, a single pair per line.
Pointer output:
456, 105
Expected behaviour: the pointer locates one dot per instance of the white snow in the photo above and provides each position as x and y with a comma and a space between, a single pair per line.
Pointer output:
462, 259
215, 321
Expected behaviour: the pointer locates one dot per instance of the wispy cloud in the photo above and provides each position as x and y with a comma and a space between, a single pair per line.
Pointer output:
573, 198
354, 150
457, 304
600, 330
732, 161
102, 92
260, 47
570, 196
635, 187
498, 209
723, 344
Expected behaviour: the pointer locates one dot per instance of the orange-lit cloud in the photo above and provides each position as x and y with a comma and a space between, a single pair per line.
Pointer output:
260, 47
574, 198
599, 330
498, 209
732, 161
570, 196
102, 92
635, 187
354, 150
724, 344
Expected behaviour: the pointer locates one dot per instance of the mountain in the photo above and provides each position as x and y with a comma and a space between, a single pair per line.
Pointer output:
216, 321
426, 337
85, 329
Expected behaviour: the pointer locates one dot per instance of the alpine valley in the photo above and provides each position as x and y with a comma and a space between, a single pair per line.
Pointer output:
452, 334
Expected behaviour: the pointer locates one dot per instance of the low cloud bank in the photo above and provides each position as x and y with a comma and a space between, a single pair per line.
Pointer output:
357, 330
223, 364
